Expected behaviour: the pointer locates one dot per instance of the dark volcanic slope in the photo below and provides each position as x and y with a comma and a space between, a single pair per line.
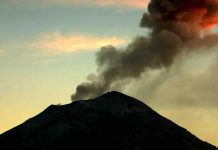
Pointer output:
111, 122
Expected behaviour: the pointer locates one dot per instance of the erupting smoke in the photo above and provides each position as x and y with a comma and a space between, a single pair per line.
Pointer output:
176, 26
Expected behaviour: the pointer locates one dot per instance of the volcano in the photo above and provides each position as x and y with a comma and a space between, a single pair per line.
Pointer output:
109, 122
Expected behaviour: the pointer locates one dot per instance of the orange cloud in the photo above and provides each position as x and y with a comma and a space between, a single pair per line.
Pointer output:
129, 3
58, 43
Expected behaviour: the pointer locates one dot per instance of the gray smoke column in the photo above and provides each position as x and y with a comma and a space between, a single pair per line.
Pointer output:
175, 26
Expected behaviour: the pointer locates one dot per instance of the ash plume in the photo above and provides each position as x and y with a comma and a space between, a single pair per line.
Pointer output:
175, 26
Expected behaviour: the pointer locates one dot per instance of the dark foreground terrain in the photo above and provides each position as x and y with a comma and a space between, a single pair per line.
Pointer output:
113, 121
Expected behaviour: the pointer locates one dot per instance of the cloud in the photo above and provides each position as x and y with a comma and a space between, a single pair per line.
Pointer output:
175, 27
185, 93
190, 82
59, 43
128, 3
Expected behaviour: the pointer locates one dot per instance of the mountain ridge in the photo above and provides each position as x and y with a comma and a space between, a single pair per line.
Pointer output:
111, 121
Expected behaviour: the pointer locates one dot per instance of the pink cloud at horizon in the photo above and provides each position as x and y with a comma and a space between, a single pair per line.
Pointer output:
139, 4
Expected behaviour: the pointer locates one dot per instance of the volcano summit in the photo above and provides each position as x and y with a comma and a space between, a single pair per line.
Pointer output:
111, 121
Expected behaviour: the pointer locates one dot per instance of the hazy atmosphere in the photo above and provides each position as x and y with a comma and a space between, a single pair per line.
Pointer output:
56, 51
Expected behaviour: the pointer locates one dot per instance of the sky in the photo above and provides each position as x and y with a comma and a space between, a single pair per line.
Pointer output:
48, 47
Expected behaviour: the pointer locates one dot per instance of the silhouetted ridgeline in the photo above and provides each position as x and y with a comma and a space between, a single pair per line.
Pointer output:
113, 121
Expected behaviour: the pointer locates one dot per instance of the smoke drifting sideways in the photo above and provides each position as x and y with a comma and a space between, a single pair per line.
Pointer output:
176, 26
